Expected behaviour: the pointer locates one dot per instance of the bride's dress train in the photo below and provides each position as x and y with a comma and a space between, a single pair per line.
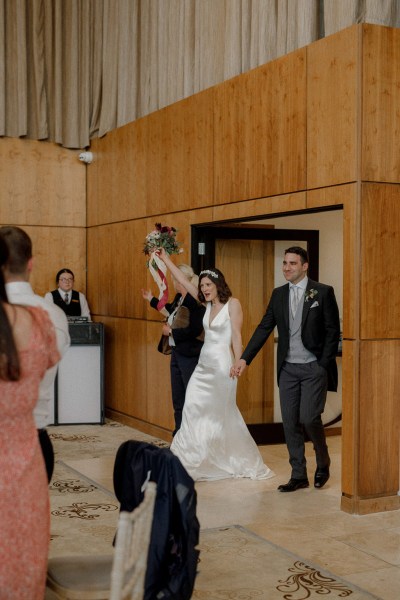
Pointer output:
213, 441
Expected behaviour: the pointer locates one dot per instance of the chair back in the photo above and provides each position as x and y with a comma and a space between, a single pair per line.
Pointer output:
131, 549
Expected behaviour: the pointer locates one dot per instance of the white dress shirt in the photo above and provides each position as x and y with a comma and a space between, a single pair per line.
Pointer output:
21, 292
85, 312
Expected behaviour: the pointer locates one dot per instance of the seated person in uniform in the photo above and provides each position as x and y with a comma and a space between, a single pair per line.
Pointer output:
73, 303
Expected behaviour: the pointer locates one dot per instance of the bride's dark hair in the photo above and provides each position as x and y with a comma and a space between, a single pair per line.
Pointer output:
9, 360
223, 289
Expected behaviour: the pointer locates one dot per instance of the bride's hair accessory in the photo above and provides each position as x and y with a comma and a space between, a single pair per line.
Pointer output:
208, 272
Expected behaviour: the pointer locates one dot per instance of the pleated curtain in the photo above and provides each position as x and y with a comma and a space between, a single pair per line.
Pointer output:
74, 69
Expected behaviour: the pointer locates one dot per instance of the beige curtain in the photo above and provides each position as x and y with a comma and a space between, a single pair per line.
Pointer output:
74, 69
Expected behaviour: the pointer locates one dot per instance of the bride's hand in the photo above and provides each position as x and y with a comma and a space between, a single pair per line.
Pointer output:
162, 254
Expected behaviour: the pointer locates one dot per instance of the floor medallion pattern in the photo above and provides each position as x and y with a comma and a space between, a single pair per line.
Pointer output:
272, 573
72, 486
83, 510
235, 563
306, 580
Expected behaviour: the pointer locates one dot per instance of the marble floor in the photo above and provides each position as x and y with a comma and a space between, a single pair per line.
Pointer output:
363, 550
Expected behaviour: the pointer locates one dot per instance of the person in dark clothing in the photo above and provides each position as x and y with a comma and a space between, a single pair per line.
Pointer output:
184, 327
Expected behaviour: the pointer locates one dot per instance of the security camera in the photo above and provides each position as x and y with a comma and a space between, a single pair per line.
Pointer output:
86, 157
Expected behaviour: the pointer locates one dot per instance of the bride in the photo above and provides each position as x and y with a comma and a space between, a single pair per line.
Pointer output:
213, 441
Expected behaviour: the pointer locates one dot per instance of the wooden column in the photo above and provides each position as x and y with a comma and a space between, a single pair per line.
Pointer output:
371, 379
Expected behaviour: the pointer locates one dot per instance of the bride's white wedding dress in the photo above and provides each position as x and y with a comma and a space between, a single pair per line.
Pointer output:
213, 441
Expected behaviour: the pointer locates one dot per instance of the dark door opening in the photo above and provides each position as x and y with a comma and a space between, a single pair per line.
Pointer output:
204, 253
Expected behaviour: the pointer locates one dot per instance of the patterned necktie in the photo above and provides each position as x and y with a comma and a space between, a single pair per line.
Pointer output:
66, 299
294, 300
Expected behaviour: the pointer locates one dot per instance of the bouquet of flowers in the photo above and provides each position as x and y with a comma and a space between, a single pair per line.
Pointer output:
161, 237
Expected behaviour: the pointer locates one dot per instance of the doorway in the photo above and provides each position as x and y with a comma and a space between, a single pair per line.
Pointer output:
246, 255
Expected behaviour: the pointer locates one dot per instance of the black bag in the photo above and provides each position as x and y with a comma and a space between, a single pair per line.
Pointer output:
163, 345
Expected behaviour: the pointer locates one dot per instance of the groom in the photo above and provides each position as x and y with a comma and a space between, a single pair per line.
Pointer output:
307, 317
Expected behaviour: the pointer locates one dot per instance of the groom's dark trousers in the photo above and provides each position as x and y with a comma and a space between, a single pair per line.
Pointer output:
302, 391
303, 386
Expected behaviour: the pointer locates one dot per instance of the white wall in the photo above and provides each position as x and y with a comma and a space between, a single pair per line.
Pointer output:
330, 226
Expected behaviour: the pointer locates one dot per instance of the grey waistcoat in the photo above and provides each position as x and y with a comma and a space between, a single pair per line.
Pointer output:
297, 352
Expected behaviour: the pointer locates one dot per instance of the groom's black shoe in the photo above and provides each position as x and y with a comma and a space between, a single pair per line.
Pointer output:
321, 477
293, 484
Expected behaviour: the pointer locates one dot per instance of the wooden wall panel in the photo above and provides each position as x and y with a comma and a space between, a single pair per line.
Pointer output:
333, 74
126, 366
137, 377
161, 162
260, 207
351, 263
158, 381
260, 131
117, 177
182, 148
350, 421
380, 106
380, 277
117, 268
331, 196
379, 418
41, 184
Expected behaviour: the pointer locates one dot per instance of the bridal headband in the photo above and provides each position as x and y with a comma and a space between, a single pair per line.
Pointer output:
208, 272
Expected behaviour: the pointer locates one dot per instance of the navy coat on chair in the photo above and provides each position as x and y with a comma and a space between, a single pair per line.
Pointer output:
173, 556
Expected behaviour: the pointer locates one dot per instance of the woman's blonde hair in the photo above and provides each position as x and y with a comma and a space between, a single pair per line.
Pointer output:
189, 274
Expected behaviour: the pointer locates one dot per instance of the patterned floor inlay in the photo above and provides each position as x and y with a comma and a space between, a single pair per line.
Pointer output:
80, 441
84, 510
235, 563
227, 553
83, 516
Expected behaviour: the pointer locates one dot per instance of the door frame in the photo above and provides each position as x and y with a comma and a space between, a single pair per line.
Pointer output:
204, 237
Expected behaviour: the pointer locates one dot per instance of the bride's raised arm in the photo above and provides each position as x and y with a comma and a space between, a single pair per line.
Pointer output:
177, 274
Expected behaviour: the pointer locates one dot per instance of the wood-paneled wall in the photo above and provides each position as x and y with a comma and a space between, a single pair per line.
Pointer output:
43, 191
380, 151
315, 129
312, 130
333, 119
260, 131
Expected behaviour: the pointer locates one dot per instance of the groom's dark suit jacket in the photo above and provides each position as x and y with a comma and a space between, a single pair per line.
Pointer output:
320, 327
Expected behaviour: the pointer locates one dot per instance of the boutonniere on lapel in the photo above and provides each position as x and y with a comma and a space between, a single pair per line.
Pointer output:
310, 294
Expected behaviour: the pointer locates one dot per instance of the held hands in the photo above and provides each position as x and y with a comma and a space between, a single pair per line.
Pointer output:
238, 368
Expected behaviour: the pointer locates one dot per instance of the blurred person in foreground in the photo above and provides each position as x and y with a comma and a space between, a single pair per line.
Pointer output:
16, 271
27, 349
